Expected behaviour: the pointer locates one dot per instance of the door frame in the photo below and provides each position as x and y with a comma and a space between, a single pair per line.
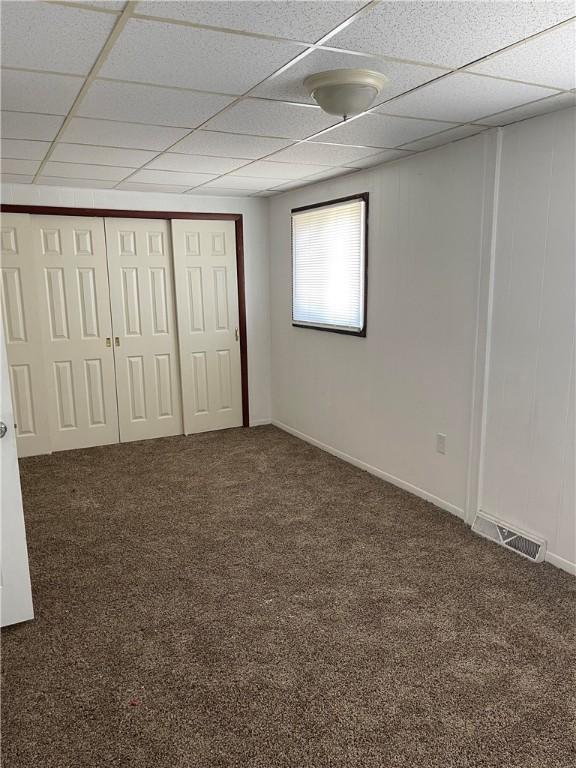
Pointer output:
118, 213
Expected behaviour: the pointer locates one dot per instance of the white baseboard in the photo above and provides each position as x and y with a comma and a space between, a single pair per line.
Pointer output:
555, 560
560, 562
259, 422
420, 492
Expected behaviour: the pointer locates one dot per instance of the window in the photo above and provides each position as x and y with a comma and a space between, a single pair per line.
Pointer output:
329, 265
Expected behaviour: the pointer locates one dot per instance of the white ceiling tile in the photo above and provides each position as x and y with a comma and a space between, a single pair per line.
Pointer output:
20, 166
214, 192
329, 174
248, 183
447, 32
303, 20
314, 179
462, 97
13, 178
229, 145
549, 59
130, 186
171, 177
542, 107
39, 92
81, 171
326, 154
23, 125
289, 84
380, 157
64, 181
269, 118
52, 37
171, 161
109, 5
24, 150
266, 169
289, 185
445, 137
150, 105
168, 54
113, 134
82, 153
380, 131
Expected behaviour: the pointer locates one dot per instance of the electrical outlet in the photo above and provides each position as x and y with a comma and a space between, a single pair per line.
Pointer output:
441, 443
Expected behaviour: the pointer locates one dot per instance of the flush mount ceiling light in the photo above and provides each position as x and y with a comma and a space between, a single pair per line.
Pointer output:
345, 92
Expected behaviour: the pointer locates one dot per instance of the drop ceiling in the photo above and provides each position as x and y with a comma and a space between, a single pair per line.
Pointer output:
206, 97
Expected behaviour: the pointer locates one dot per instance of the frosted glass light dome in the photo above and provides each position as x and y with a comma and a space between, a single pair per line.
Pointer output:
345, 92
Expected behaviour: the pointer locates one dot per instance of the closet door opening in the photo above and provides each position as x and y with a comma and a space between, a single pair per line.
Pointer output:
122, 325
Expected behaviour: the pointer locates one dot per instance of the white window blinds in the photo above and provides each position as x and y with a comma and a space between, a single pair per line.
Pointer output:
328, 253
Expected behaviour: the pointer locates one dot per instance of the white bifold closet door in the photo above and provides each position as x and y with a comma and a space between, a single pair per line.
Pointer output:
23, 333
74, 310
144, 321
119, 329
206, 281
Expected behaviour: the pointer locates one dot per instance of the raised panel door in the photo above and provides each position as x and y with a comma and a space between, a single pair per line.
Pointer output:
23, 334
144, 322
208, 320
74, 311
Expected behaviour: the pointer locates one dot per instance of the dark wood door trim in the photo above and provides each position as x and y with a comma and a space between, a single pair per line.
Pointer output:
48, 210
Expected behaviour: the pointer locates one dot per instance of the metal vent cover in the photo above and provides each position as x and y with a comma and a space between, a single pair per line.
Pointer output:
527, 545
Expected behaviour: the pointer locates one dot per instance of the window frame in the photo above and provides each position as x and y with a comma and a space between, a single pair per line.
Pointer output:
364, 196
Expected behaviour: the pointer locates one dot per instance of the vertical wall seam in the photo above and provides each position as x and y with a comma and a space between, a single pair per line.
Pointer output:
480, 340
489, 313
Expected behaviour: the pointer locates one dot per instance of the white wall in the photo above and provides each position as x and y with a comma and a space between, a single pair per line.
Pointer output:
528, 475
471, 317
381, 400
254, 211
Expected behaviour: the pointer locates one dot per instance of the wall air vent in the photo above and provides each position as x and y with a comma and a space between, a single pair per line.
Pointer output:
525, 544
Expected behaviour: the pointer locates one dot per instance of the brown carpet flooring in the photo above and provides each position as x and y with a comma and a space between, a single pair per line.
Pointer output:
242, 599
